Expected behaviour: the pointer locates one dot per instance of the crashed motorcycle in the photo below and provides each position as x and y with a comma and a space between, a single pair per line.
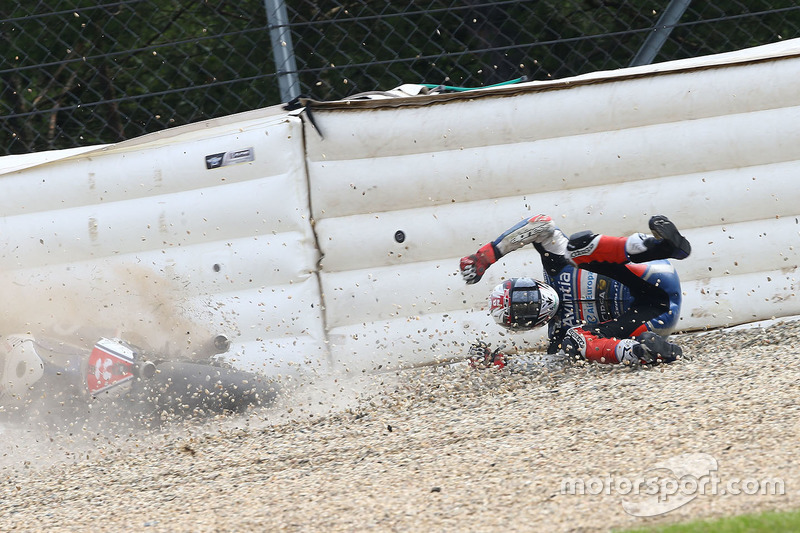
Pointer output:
51, 377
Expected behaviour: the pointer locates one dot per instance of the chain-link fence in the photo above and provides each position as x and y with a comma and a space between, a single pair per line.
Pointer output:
78, 72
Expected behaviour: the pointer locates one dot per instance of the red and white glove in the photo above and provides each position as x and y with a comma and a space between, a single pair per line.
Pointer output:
482, 356
473, 266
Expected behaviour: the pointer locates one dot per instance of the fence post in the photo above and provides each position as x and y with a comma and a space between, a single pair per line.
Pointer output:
666, 22
282, 49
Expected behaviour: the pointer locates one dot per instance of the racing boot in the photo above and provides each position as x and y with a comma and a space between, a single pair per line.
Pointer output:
665, 243
653, 349
664, 230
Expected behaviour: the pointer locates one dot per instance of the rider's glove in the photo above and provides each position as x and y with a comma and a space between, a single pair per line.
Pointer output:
473, 266
481, 356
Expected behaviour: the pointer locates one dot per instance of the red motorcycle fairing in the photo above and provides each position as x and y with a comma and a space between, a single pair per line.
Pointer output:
111, 364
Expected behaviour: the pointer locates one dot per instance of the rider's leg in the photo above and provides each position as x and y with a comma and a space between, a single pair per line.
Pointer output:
623, 339
646, 348
656, 294
666, 242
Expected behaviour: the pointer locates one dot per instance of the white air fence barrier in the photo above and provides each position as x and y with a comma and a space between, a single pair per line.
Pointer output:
338, 243
172, 238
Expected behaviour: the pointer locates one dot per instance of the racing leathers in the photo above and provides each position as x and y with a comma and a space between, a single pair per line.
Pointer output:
619, 297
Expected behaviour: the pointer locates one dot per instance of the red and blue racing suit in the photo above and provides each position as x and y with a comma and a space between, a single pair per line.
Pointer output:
611, 289
611, 300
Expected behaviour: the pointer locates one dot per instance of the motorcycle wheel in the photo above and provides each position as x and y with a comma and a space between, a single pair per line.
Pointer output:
184, 388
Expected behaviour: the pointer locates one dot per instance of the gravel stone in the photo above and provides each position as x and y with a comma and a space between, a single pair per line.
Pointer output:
440, 448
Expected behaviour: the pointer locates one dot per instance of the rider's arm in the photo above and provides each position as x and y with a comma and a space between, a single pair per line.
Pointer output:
539, 230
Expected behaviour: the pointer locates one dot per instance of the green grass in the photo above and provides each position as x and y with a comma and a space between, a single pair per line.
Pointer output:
753, 523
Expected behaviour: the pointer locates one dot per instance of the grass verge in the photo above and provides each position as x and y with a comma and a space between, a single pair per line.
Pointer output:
772, 521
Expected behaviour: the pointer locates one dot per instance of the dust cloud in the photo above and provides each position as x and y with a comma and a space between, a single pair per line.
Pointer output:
134, 303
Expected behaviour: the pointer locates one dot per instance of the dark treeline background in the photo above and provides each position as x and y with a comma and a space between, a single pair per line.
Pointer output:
79, 72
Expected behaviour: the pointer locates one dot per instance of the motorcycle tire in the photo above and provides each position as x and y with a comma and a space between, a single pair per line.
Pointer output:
184, 388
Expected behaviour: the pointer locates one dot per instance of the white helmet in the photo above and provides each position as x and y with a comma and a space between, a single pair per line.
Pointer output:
520, 304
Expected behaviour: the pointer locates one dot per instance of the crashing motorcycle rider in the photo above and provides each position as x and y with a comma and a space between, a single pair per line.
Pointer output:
605, 299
